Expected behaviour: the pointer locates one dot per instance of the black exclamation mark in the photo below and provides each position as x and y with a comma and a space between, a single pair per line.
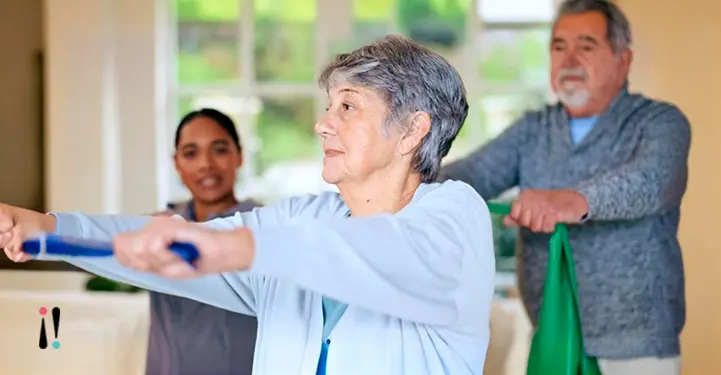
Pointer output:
56, 326
43, 337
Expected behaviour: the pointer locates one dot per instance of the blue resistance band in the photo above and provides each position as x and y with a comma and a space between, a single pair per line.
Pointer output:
52, 244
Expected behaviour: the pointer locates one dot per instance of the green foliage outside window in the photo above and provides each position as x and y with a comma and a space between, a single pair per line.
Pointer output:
207, 10
439, 23
284, 49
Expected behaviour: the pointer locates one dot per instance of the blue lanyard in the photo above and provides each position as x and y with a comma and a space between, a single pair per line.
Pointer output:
323, 358
332, 312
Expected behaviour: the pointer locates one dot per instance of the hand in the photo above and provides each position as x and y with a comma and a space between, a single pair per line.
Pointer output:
541, 210
17, 224
220, 251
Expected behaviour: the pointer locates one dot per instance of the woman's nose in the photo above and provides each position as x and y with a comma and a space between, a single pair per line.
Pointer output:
205, 160
325, 126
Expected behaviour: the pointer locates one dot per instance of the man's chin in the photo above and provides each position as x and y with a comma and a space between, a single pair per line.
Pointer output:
574, 100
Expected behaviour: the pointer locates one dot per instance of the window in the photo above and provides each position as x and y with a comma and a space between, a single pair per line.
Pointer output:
257, 60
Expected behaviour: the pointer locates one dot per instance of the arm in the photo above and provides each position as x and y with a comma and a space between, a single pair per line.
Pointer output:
653, 181
494, 168
409, 265
231, 292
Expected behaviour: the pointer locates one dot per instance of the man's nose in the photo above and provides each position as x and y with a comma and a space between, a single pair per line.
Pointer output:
571, 59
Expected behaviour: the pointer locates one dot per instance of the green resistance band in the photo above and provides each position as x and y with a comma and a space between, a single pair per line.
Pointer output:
557, 345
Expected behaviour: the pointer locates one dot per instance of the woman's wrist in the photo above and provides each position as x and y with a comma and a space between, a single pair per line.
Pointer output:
239, 246
49, 223
34, 222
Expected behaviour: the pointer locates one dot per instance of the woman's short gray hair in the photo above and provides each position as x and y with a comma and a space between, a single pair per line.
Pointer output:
410, 78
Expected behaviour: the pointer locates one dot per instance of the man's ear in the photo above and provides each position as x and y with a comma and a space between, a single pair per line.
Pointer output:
626, 59
420, 125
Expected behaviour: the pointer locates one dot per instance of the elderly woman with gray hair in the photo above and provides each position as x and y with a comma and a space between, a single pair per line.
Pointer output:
394, 275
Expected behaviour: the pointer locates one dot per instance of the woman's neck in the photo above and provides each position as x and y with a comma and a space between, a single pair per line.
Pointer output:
379, 195
204, 210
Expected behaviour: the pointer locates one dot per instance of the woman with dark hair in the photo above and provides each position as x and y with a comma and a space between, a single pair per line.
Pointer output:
186, 336
207, 157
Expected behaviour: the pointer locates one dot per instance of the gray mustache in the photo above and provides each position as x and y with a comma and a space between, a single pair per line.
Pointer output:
575, 73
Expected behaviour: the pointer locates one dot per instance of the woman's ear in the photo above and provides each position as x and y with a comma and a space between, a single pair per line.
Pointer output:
240, 159
420, 125
175, 162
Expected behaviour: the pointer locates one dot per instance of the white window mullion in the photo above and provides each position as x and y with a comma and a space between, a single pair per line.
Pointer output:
334, 23
322, 45
515, 25
475, 87
166, 74
246, 36
261, 89
247, 121
332, 15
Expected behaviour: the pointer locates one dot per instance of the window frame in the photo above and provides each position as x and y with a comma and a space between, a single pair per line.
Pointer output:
328, 13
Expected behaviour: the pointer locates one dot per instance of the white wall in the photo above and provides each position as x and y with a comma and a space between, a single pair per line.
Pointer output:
106, 58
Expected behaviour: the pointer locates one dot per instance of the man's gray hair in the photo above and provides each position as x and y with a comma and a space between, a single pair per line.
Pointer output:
617, 25
410, 78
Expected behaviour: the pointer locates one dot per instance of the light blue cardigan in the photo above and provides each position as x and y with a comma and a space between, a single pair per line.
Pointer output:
419, 284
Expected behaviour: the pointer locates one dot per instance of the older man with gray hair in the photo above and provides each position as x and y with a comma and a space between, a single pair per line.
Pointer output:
615, 164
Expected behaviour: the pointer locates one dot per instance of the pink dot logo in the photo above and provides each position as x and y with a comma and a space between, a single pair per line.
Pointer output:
43, 311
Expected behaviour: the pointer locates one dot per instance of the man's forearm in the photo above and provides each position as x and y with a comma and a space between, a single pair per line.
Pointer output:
631, 196
647, 186
653, 181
